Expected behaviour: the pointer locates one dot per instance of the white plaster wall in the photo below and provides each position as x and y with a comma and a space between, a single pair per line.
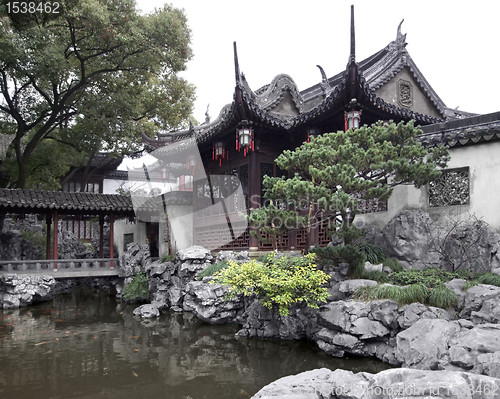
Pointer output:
483, 161
181, 222
123, 226
421, 102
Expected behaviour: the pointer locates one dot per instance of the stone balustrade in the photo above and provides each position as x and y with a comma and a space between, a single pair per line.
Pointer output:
62, 267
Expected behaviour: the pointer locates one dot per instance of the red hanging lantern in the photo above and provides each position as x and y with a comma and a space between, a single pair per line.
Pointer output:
352, 118
245, 139
219, 152
191, 164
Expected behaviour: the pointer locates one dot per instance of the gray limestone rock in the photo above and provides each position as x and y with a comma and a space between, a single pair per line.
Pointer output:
209, 303
407, 239
482, 304
393, 383
147, 311
425, 344
24, 290
194, 252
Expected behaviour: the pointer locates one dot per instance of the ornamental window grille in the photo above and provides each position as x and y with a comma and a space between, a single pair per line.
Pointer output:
451, 188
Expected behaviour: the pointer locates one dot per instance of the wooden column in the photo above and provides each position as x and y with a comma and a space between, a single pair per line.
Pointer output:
253, 192
56, 233
111, 236
48, 221
101, 236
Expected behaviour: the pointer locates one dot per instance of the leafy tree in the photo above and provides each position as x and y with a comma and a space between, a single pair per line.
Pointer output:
336, 172
80, 81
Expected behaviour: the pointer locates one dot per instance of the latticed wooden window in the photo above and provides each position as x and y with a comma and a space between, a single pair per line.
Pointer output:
451, 188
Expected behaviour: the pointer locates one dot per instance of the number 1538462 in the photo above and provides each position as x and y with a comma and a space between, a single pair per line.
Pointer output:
31, 7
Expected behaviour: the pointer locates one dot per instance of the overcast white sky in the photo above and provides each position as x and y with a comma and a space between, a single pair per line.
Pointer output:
454, 44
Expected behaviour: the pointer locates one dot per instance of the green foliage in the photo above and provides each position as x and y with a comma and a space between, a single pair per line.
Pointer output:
78, 82
334, 171
212, 269
423, 286
393, 264
137, 289
376, 275
283, 281
334, 255
402, 295
374, 254
167, 258
431, 277
39, 240
482, 278
442, 297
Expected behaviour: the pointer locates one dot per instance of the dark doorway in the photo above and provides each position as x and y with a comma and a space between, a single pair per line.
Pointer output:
152, 232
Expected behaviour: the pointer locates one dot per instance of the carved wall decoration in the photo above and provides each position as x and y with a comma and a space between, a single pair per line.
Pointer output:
451, 188
405, 93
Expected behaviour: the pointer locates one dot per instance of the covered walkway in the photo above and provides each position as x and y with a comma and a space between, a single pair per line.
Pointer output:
57, 205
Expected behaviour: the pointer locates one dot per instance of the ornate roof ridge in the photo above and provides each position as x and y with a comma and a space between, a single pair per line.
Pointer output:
462, 131
269, 96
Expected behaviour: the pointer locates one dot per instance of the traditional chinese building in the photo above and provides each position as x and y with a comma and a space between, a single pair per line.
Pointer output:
258, 125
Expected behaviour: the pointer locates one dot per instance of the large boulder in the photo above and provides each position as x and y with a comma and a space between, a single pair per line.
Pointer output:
393, 383
435, 344
261, 322
147, 311
210, 303
425, 344
24, 290
134, 260
407, 238
474, 246
13, 247
482, 304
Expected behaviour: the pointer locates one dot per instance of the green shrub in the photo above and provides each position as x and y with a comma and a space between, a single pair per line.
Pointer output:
402, 295
393, 264
466, 274
442, 297
482, 278
137, 289
212, 269
39, 240
167, 258
283, 282
333, 256
374, 254
376, 275
430, 277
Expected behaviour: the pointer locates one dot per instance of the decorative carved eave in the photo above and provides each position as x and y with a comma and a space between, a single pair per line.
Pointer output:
478, 129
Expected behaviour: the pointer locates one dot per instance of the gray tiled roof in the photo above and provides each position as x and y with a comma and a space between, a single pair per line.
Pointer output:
37, 201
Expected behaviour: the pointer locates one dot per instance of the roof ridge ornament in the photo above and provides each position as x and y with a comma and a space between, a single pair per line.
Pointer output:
400, 38
325, 84
236, 64
352, 55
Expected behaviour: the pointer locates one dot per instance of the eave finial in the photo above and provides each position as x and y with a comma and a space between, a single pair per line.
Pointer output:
400, 38
325, 84
352, 56
236, 64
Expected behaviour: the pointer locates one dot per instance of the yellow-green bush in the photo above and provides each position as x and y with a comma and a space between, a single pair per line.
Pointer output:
281, 281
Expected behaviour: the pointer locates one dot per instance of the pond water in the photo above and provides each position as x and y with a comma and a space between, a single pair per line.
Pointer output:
88, 345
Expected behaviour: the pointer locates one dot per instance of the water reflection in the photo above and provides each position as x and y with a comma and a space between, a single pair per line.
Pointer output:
88, 346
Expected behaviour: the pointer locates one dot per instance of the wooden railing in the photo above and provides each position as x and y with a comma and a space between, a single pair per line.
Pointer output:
82, 267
